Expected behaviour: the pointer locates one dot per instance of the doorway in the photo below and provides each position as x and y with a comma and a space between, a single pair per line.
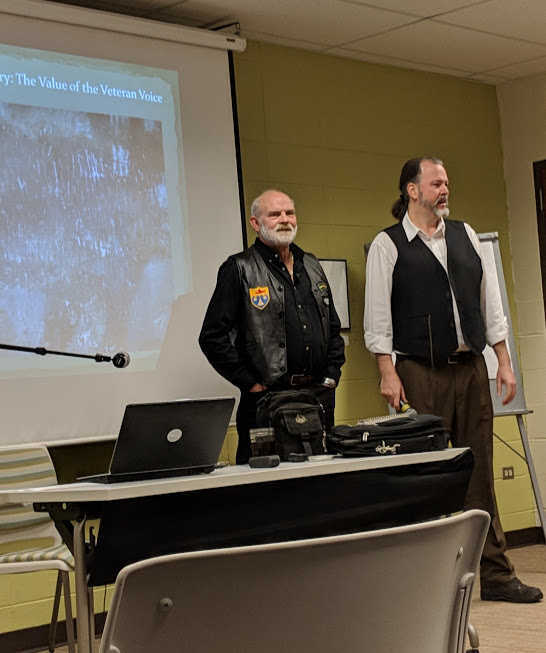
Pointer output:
539, 171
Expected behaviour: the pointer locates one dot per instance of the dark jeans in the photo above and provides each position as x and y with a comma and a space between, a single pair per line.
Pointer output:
246, 414
460, 395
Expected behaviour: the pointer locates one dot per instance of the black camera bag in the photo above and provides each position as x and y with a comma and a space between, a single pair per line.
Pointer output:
297, 418
411, 434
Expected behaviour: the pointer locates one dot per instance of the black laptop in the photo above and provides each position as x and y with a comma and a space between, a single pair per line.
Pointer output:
172, 438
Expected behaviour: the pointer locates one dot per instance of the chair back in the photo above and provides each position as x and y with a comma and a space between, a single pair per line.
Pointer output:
20, 526
402, 589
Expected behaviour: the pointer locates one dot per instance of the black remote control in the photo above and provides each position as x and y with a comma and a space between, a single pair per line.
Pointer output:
264, 461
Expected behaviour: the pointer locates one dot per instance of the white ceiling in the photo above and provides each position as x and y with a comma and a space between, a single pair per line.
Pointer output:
487, 40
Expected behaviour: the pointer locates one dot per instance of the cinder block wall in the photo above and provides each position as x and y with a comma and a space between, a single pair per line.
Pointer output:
522, 108
334, 133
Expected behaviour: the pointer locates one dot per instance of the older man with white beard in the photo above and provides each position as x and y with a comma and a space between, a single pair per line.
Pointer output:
429, 299
271, 323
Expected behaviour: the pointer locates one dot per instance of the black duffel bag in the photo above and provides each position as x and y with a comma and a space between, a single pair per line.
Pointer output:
411, 434
297, 418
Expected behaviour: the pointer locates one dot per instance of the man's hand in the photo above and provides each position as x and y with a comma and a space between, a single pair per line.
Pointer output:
258, 387
505, 375
506, 378
391, 387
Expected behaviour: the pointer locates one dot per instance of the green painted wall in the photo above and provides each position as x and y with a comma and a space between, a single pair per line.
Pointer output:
334, 133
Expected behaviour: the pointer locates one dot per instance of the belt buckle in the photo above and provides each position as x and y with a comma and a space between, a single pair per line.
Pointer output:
298, 379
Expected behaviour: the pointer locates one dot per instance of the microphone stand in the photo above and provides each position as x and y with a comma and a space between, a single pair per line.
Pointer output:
42, 351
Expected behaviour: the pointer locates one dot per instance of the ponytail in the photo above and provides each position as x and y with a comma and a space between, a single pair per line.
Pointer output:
400, 207
411, 171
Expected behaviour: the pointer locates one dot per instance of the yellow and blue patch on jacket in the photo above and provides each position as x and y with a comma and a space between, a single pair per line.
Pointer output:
259, 297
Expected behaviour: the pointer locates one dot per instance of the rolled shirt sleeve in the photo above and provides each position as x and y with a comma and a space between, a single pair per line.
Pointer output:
495, 322
377, 302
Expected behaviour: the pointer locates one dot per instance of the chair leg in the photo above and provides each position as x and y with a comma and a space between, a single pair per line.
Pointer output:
68, 612
473, 639
55, 614
91, 599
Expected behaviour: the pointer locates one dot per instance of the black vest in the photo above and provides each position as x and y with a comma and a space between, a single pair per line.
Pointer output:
421, 304
264, 333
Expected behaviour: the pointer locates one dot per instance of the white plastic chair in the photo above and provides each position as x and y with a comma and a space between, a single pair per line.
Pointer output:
404, 589
29, 541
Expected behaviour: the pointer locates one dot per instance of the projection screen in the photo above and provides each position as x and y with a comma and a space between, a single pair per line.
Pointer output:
119, 199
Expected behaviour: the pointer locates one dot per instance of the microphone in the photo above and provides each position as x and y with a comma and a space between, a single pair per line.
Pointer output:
121, 359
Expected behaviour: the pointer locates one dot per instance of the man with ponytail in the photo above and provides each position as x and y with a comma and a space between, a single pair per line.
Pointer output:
429, 300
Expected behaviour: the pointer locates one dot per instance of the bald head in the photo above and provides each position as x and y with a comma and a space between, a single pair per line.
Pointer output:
271, 194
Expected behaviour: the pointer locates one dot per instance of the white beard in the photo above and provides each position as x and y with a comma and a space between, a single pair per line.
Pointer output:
278, 237
441, 213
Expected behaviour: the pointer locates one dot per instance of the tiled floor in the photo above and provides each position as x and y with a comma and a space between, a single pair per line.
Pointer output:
510, 628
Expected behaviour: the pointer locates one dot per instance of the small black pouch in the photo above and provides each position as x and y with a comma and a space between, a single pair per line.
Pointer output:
297, 418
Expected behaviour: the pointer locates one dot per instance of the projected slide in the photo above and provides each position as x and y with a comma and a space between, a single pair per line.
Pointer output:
93, 237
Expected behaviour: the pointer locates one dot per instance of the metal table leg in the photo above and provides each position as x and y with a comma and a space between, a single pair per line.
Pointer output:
532, 473
83, 618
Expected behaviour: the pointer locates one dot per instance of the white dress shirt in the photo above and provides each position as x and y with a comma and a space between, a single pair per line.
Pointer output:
379, 269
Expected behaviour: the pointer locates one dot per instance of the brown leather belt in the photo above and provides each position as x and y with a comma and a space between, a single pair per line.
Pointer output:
456, 358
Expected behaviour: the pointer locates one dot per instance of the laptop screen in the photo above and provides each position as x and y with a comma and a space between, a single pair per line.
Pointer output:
171, 435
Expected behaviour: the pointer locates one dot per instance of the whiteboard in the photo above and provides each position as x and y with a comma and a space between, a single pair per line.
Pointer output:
492, 262
336, 273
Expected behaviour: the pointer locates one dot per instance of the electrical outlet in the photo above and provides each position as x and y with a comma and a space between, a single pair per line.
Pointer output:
507, 473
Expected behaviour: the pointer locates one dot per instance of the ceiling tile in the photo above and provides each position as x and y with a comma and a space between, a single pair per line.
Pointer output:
161, 3
450, 46
131, 7
479, 39
419, 7
187, 21
329, 22
523, 69
393, 61
139, 4
488, 79
281, 40
522, 19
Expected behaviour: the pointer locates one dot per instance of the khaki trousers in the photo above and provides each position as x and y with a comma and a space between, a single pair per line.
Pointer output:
460, 394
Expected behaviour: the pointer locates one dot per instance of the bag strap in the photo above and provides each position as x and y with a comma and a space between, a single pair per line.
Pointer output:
306, 446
